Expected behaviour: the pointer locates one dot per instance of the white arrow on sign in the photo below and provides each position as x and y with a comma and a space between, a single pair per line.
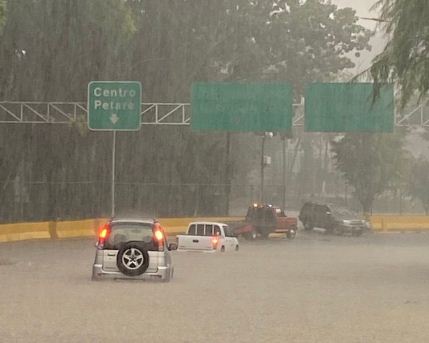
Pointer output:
114, 118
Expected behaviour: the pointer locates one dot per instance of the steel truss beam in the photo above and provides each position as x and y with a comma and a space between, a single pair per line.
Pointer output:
19, 112
416, 117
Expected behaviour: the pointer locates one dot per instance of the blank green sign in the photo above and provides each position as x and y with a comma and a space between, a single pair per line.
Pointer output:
242, 107
348, 107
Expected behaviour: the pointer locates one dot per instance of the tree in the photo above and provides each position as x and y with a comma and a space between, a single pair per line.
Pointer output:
60, 45
77, 41
371, 163
405, 58
295, 41
2, 14
418, 186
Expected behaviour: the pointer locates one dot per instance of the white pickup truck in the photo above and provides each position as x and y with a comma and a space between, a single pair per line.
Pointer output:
207, 236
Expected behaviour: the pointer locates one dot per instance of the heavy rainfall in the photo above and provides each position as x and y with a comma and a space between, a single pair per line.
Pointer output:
214, 171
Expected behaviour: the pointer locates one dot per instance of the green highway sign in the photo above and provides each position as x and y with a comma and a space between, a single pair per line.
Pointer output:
242, 107
348, 107
114, 105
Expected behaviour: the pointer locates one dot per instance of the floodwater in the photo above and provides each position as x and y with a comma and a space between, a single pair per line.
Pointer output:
316, 288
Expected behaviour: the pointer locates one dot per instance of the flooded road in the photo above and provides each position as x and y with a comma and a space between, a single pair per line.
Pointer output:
316, 288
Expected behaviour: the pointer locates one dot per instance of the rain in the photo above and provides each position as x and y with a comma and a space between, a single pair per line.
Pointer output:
269, 159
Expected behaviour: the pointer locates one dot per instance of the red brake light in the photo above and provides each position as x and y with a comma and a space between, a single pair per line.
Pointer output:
159, 239
103, 234
215, 241
159, 235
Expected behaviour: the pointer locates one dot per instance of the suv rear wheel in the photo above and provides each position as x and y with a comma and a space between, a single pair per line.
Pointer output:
307, 226
132, 259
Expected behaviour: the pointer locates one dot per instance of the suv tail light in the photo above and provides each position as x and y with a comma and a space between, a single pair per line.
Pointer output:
215, 241
159, 239
103, 234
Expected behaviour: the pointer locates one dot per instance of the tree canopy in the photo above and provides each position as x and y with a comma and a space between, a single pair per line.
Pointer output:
405, 58
418, 185
51, 49
371, 163
2, 13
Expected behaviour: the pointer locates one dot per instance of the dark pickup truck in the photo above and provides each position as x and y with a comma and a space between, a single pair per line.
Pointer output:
261, 220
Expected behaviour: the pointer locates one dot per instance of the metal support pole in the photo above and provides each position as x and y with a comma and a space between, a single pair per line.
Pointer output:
284, 167
113, 172
228, 173
262, 169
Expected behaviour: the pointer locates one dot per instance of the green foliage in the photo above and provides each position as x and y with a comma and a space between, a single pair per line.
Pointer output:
51, 49
295, 41
61, 45
2, 14
371, 163
406, 56
418, 186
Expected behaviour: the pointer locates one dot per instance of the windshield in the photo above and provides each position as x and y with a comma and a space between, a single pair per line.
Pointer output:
343, 213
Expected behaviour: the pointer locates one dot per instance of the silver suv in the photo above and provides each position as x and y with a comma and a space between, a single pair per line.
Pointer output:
132, 248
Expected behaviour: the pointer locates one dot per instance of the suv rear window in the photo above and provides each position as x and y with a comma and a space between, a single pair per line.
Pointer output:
123, 232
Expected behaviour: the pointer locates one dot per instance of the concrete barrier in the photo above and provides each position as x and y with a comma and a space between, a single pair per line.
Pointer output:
78, 228
403, 223
177, 226
24, 231
87, 228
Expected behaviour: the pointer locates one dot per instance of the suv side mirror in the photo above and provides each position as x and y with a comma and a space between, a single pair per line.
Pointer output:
172, 246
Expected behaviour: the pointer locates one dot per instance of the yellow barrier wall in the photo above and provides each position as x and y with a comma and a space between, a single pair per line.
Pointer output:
177, 226
78, 228
385, 223
23, 231
174, 226
86, 228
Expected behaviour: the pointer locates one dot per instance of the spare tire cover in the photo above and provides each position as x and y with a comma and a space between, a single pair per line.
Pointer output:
132, 259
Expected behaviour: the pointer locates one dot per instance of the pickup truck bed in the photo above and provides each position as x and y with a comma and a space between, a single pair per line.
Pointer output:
186, 242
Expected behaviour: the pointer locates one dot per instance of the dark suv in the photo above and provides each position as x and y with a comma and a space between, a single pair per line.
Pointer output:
337, 221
